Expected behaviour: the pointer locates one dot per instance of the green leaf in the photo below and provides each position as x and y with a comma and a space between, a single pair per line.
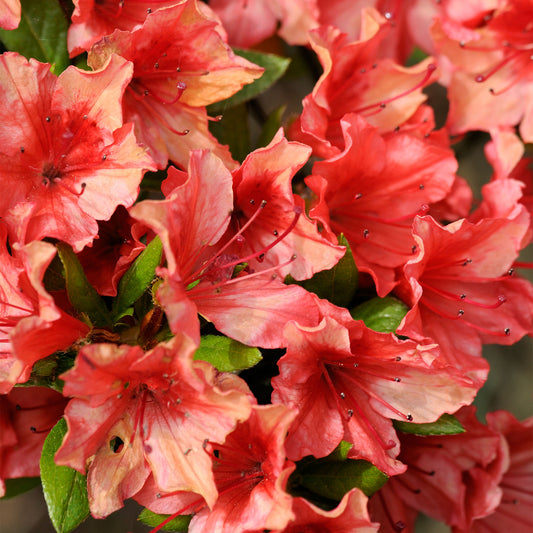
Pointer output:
42, 34
17, 486
445, 425
340, 453
339, 284
65, 490
81, 293
227, 355
271, 126
381, 314
138, 277
275, 66
333, 479
234, 131
178, 524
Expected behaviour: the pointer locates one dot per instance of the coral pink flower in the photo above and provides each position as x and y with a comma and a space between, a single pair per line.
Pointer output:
372, 191
9, 14
492, 73
348, 382
462, 291
514, 510
252, 307
66, 161
453, 478
383, 92
265, 176
27, 414
92, 19
134, 413
250, 470
181, 64
31, 325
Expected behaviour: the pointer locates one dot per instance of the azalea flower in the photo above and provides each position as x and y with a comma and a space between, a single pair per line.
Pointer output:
32, 326
383, 92
136, 413
66, 160
462, 290
349, 381
181, 64
200, 277
372, 191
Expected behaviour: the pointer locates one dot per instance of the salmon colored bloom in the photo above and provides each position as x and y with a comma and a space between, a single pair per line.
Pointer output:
66, 160
202, 274
347, 382
381, 91
181, 64
462, 290
31, 325
136, 413
372, 191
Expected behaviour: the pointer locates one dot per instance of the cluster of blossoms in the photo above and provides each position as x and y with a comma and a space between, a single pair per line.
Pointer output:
290, 342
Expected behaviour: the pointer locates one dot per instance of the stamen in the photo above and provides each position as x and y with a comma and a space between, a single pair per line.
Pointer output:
462, 298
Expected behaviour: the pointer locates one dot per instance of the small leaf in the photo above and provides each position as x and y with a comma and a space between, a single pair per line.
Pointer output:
179, 524
339, 284
381, 314
233, 130
17, 486
340, 453
227, 355
65, 489
81, 293
138, 277
445, 425
42, 34
271, 126
275, 66
333, 479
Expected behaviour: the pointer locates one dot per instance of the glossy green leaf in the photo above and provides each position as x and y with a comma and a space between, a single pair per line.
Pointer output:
42, 34
445, 425
339, 284
138, 277
234, 131
381, 314
17, 486
65, 489
333, 479
275, 66
340, 453
227, 355
81, 293
179, 524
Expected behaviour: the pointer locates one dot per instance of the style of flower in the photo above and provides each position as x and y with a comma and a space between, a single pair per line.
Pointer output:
349, 381
462, 289
181, 64
66, 160
204, 276
136, 413
372, 191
